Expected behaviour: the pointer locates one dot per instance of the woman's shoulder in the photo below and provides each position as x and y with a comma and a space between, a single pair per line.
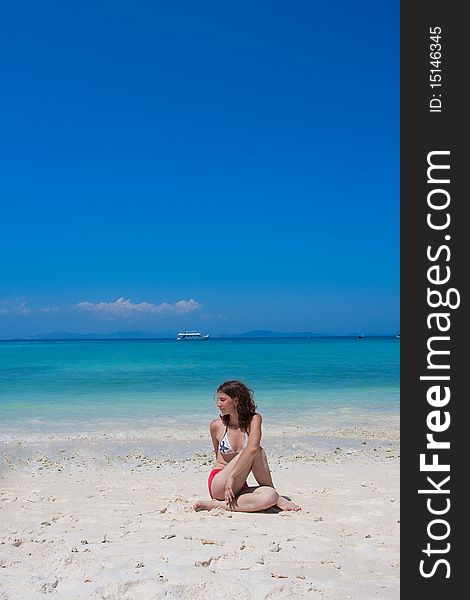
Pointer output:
216, 424
255, 420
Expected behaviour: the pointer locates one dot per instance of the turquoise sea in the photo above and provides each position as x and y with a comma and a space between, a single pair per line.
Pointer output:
82, 385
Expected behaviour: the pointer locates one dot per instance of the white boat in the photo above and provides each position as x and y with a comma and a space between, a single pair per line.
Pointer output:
191, 335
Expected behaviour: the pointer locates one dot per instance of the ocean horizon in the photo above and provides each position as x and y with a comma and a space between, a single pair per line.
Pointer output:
143, 335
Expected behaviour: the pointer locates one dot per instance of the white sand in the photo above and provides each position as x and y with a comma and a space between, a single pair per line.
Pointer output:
84, 518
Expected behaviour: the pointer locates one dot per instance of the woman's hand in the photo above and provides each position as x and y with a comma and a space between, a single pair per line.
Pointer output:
229, 493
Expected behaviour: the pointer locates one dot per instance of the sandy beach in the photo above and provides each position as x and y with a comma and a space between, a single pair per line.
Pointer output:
96, 516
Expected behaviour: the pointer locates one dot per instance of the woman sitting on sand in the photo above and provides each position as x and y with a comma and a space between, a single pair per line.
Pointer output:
236, 437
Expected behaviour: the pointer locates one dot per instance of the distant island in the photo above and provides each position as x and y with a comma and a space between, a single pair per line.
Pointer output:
261, 333
171, 335
123, 335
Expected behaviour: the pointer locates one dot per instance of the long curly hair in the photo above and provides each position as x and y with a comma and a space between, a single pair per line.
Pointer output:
246, 406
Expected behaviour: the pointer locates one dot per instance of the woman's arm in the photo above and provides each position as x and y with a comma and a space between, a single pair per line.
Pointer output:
254, 437
213, 429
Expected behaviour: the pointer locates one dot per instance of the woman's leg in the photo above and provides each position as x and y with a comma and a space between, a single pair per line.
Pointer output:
251, 500
261, 470
262, 474
220, 479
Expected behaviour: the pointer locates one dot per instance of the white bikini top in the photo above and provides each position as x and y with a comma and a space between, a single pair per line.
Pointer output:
225, 446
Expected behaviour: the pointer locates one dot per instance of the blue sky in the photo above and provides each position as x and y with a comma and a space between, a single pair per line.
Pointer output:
218, 166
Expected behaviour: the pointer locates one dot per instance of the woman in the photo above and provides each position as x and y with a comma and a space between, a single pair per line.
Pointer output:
236, 438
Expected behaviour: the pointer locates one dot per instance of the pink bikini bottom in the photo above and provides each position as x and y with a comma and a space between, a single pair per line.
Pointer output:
212, 474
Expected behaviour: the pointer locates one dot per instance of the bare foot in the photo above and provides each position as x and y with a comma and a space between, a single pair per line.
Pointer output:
205, 504
285, 504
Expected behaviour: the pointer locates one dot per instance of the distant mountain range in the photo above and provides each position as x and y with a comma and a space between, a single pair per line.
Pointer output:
262, 333
170, 334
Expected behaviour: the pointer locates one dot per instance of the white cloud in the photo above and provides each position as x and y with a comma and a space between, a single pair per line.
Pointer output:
123, 308
20, 309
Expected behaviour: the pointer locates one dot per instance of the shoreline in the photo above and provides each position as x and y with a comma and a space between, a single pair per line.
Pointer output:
179, 428
178, 442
